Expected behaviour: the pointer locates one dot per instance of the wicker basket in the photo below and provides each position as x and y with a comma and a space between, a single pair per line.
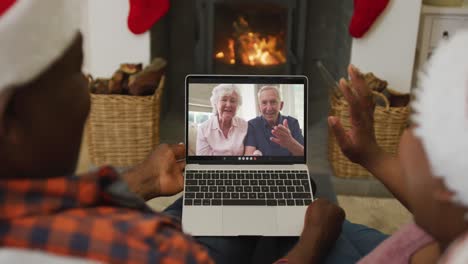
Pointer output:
122, 129
389, 124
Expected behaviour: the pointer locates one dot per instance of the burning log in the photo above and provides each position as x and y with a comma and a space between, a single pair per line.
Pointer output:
251, 48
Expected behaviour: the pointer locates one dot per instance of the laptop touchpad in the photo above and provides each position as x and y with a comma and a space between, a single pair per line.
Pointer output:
249, 220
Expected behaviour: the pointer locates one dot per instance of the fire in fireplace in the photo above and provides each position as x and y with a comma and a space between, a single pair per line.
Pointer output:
249, 46
250, 36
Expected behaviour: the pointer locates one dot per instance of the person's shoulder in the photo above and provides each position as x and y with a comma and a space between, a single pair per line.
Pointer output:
206, 124
255, 121
240, 120
292, 120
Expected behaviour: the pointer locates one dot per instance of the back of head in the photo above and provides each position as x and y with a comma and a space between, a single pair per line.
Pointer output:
42, 90
34, 35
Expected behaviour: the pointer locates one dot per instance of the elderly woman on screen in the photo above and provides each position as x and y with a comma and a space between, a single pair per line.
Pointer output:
223, 134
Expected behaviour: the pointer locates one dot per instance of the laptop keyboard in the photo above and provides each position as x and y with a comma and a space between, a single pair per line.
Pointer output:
247, 187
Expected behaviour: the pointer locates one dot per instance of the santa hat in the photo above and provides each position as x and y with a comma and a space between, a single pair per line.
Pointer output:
441, 113
34, 34
457, 252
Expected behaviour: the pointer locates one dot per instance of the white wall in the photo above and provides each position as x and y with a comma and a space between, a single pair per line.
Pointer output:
388, 49
249, 107
107, 39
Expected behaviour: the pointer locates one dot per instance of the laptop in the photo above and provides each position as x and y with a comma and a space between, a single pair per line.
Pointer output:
230, 190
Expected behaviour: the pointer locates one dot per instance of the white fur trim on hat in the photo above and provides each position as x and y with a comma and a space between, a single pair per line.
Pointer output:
34, 34
441, 113
457, 252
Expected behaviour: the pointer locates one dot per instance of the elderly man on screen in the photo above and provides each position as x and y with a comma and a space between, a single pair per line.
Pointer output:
223, 134
273, 134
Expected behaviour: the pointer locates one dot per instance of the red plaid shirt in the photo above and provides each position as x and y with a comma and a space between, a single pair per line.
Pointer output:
84, 217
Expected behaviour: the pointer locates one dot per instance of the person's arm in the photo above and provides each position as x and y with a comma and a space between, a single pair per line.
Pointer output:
322, 226
161, 174
387, 168
249, 150
359, 143
296, 148
250, 142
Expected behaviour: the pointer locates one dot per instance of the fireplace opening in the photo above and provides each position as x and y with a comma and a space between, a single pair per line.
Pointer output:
250, 37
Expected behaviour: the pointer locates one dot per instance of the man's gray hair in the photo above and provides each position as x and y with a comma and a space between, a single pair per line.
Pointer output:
269, 87
222, 90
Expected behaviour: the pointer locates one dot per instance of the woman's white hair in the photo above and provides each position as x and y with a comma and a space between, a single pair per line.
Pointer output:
222, 90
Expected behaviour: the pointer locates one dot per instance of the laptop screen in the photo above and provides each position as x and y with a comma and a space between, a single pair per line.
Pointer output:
233, 119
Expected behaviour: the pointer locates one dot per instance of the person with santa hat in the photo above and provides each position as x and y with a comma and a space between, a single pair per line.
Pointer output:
49, 215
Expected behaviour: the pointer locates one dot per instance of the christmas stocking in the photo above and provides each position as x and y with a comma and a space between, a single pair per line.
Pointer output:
144, 13
5, 5
365, 13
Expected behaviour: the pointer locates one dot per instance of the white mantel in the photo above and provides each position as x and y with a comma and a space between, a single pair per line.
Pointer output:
107, 40
388, 49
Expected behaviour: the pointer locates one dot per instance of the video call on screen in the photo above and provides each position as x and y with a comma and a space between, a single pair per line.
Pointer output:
246, 121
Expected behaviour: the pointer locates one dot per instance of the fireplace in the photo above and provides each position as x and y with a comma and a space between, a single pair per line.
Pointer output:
194, 32
250, 37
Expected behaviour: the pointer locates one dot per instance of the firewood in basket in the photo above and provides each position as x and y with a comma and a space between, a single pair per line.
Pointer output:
374, 82
131, 68
115, 83
396, 98
90, 80
146, 81
100, 86
125, 89
156, 65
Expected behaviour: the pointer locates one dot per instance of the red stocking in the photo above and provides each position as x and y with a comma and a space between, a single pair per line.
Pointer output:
144, 13
5, 5
365, 13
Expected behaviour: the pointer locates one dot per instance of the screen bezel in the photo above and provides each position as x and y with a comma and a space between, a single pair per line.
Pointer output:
254, 79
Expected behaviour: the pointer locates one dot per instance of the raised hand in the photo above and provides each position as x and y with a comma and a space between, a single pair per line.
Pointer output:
359, 143
282, 135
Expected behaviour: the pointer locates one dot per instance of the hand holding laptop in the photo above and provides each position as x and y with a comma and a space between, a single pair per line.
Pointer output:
161, 174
